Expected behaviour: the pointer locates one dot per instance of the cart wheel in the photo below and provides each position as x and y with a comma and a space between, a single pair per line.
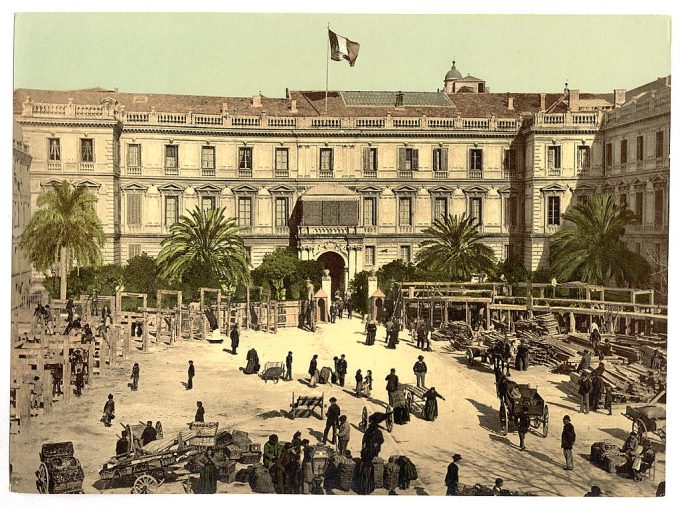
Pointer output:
546, 417
504, 420
389, 422
409, 401
363, 425
42, 481
639, 428
470, 356
145, 484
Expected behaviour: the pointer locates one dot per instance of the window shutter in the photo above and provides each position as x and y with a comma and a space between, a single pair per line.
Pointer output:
444, 159
331, 159
366, 160
481, 159
551, 157
414, 160
402, 158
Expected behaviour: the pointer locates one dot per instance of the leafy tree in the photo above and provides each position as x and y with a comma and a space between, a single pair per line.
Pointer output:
455, 249
140, 275
359, 288
512, 269
204, 249
64, 228
590, 248
277, 270
394, 273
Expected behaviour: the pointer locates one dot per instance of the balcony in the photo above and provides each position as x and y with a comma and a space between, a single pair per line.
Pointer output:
54, 165
371, 229
440, 174
510, 173
134, 170
282, 230
474, 174
282, 173
583, 170
326, 173
86, 166
405, 174
171, 170
329, 230
207, 172
370, 174
585, 120
245, 172
554, 172
405, 229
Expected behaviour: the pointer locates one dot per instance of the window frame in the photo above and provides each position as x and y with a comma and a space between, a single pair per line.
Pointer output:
245, 158
556, 150
510, 160
138, 151
166, 199
281, 150
243, 200
286, 211
659, 144
640, 148
409, 249
374, 211
404, 200
136, 197
208, 149
476, 200
326, 164
554, 211
83, 147
476, 158
436, 202
54, 142
369, 249
623, 149
170, 147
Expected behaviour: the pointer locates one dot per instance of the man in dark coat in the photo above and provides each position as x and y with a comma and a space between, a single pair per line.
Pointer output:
123, 445
289, 366
313, 372
392, 385
522, 356
109, 410
568, 440
451, 479
585, 387
523, 423
332, 420
596, 393
420, 369
148, 434
371, 331
191, 373
342, 370
200, 412
235, 337
350, 307
135, 377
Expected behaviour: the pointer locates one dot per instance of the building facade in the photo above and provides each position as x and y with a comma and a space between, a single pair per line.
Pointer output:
350, 178
21, 213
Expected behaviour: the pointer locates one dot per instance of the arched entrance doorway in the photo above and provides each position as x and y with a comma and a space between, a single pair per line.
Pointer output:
336, 265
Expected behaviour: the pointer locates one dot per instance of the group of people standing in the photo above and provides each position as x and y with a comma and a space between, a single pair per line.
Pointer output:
338, 306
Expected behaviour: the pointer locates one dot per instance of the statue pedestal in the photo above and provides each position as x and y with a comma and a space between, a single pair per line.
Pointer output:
326, 287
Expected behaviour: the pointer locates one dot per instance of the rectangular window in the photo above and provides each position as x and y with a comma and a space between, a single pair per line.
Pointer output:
476, 209
370, 218
624, 152
207, 203
510, 159
281, 212
506, 251
437, 160
134, 209
405, 216
245, 217
370, 159
638, 206
583, 158
511, 211
326, 159
640, 148
171, 153
245, 158
208, 158
369, 255
609, 155
659, 144
554, 157
54, 149
441, 208
87, 150
623, 200
476, 159
281, 159
171, 210
405, 253
411, 161
553, 210
658, 207
134, 250
134, 155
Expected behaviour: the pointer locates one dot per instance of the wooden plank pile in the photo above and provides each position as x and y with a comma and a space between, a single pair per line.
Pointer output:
543, 324
548, 350
629, 383
459, 333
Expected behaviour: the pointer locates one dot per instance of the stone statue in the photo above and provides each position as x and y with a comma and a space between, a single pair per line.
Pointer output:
326, 272
310, 290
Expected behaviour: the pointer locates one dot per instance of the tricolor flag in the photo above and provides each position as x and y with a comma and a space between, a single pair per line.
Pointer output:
341, 47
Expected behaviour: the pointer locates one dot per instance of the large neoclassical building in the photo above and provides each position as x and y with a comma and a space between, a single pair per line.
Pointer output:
352, 178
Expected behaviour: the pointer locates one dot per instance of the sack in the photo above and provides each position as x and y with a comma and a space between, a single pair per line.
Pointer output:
391, 476
260, 480
410, 471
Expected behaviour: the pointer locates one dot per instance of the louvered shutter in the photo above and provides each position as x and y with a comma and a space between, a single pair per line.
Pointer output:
366, 160
402, 158
445, 160
414, 159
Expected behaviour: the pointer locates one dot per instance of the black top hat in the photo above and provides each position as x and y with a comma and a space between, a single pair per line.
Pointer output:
420, 357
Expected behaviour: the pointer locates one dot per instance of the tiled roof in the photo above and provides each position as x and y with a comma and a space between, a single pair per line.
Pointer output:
383, 98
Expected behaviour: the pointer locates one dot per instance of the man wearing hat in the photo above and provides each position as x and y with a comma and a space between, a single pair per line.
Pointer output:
148, 434
420, 369
568, 440
341, 368
332, 418
451, 479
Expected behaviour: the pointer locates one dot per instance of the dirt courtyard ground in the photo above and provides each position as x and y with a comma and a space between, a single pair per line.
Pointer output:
467, 423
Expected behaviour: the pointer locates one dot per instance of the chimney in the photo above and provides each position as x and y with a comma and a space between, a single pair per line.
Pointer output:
224, 108
287, 93
543, 102
573, 101
619, 97
399, 100
511, 103
257, 100
293, 106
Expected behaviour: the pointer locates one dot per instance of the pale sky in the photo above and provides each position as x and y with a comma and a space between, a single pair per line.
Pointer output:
241, 54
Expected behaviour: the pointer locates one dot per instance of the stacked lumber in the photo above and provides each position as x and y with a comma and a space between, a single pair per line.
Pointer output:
543, 324
548, 350
459, 333
169, 443
629, 383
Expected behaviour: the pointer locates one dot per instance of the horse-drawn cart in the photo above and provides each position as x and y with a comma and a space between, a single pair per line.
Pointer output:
519, 396
650, 419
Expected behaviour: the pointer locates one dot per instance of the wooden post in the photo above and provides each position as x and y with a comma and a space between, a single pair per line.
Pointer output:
115, 340
66, 377
127, 338
103, 356
47, 390
572, 322
247, 306
145, 332
488, 315
467, 313
23, 398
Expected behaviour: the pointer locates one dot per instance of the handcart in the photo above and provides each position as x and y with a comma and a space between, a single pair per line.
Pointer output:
524, 395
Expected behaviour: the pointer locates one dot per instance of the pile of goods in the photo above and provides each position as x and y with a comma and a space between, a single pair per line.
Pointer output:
345, 472
59, 472
607, 456
238, 446
260, 480
378, 472
543, 324
481, 490
459, 333
546, 344
391, 476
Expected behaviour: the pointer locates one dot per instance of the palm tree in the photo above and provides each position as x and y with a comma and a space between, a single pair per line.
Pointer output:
455, 249
591, 248
204, 242
65, 228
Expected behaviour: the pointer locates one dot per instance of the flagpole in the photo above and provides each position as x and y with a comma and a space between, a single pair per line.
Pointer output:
328, 50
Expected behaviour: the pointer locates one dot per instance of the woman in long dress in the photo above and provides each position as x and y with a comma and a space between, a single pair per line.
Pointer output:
431, 411
359, 378
370, 448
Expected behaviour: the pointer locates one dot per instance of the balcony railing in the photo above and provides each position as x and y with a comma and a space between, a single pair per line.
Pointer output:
440, 174
369, 123
282, 172
405, 229
134, 170
371, 229
54, 165
510, 173
370, 174
207, 172
567, 119
405, 174
171, 170
245, 172
554, 172
326, 174
583, 170
282, 230
314, 230
86, 166
474, 174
